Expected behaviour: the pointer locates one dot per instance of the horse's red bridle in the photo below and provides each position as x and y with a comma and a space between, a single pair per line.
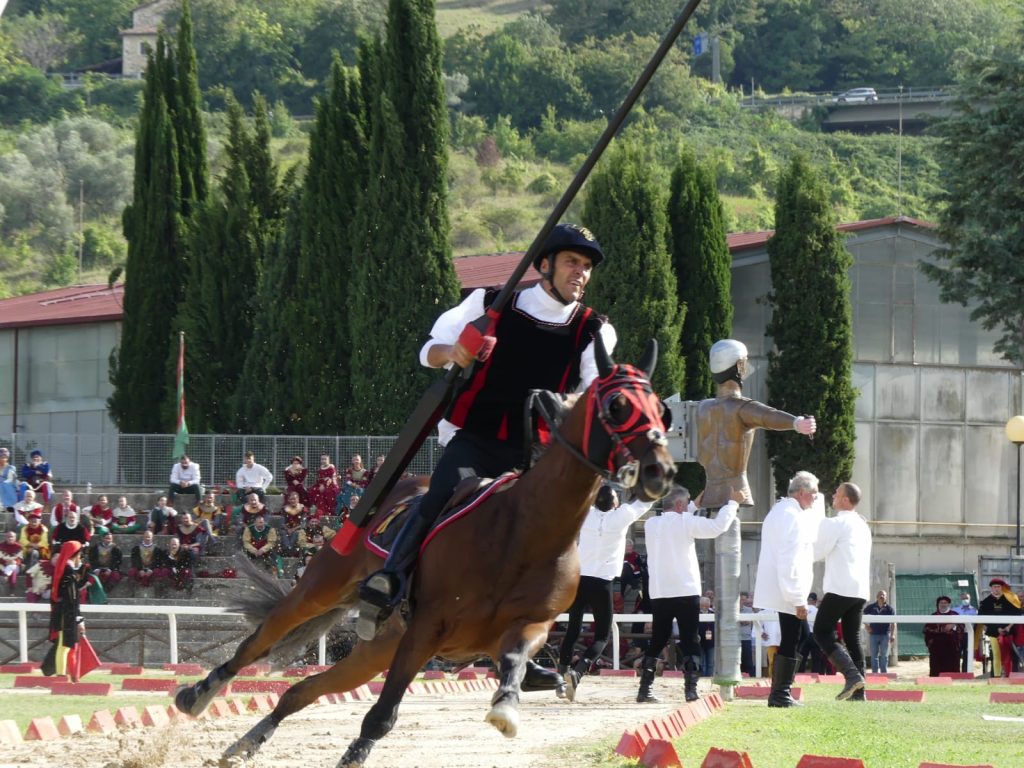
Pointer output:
643, 419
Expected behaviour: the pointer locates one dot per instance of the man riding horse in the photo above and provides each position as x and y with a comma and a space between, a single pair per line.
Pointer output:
543, 340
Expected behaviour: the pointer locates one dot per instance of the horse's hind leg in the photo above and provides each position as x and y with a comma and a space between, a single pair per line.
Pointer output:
365, 661
517, 647
317, 593
415, 649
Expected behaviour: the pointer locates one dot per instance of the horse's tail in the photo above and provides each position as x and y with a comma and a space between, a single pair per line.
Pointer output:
263, 594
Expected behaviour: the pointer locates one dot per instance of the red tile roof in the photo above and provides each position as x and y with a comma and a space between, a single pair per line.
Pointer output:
63, 306
97, 303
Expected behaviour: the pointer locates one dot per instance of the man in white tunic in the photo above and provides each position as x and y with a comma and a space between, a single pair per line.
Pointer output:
844, 543
675, 582
785, 571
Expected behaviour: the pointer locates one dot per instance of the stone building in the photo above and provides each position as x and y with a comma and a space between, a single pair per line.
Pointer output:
140, 39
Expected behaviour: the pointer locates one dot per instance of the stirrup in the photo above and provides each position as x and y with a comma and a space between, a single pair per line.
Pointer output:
378, 596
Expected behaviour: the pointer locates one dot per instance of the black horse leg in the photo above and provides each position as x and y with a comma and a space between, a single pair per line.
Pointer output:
504, 712
193, 699
412, 654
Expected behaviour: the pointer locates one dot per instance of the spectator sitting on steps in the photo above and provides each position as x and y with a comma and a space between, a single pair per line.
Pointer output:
23, 509
162, 517
193, 536
71, 529
36, 476
178, 563
259, 541
146, 561
185, 478
34, 539
252, 478
254, 507
101, 513
210, 512
126, 519
59, 510
105, 559
11, 558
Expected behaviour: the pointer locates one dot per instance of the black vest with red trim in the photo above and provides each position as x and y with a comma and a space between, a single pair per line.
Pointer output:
529, 354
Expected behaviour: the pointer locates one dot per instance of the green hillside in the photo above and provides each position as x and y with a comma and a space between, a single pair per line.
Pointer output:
488, 15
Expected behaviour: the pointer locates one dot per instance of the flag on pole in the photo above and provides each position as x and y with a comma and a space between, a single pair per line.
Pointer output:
181, 438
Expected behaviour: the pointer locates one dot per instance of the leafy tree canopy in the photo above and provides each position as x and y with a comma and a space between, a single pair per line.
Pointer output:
983, 203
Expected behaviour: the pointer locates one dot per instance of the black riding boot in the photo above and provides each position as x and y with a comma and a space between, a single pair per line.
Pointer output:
572, 679
382, 591
783, 672
844, 665
563, 670
644, 695
858, 695
538, 678
691, 674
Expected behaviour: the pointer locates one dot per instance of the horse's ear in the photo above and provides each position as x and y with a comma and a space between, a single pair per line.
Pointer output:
601, 357
650, 358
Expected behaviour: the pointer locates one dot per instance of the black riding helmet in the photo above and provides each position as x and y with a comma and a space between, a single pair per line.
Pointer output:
570, 237
567, 237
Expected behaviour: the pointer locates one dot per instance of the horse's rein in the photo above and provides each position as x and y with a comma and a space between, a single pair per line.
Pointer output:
623, 380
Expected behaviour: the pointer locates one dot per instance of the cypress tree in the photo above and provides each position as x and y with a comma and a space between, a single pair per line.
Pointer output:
228, 239
334, 182
154, 266
188, 118
405, 275
703, 268
269, 408
635, 286
810, 370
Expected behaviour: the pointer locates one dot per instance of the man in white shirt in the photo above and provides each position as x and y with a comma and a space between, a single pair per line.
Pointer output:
602, 545
785, 570
185, 478
844, 543
675, 583
24, 508
252, 478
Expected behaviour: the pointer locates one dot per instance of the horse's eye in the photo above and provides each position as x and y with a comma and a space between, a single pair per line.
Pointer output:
617, 407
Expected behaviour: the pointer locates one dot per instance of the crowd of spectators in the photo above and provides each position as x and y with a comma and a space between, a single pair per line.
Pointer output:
168, 545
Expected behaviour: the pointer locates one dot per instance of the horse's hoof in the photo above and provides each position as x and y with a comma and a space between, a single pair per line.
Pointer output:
187, 700
250, 743
505, 718
560, 691
356, 753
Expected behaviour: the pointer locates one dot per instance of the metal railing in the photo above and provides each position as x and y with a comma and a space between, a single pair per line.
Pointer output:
121, 461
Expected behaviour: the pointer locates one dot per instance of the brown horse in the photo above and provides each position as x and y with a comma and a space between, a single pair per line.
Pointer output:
490, 584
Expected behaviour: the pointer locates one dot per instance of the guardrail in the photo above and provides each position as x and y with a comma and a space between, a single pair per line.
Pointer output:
907, 96
173, 611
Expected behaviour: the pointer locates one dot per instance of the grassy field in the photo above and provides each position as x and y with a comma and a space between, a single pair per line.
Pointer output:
947, 728
452, 15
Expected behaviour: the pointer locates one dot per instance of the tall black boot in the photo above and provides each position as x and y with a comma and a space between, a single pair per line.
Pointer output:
538, 678
563, 670
691, 674
783, 672
382, 591
858, 695
572, 679
644, 695
844, 665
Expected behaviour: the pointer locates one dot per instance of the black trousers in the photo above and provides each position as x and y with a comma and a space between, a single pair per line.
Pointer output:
465, 455
596, 594
848, 610
686, 611
789, 625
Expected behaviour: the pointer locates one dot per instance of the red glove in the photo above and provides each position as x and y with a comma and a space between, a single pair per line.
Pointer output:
476, 343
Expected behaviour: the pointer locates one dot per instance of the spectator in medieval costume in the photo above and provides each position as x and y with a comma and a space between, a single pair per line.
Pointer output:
944, 641
24, 508
325, 492
295, 514
193, 535
631, 578
101, 513
105, 559
11, 558
313, 536
65, 621
61, 509
377, 464
295, 479
147, 559
356, 474
36, 476
126, 519
259, 541
8, 482
34, 539
1000, 604
162, 517
210, 512
252, 509
178, 563
71, 529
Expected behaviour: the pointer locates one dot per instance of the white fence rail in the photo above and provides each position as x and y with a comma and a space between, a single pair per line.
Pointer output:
173, 611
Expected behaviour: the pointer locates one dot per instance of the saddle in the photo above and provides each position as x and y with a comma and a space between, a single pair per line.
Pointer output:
468, 495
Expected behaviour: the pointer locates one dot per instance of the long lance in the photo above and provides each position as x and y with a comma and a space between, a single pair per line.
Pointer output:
437, 397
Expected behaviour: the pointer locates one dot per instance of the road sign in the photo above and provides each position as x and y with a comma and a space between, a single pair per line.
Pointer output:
700, 44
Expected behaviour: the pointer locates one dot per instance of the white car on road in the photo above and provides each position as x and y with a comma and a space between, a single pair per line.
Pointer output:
856, 95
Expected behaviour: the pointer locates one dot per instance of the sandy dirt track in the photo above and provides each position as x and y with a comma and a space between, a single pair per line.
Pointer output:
433, 731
